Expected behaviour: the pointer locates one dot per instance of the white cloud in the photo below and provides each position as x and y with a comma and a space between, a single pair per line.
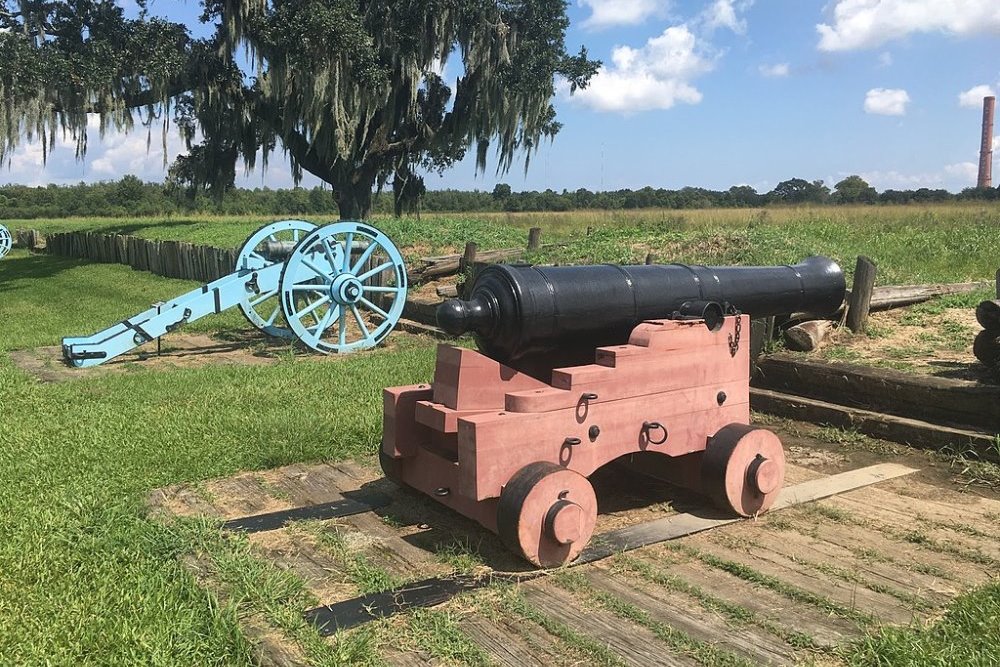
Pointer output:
861, 24
607, 13
951, 177
107, 158
657, 75
886, 101
885, 59
726, 14
967, 171
996, 144
973, 97
774, 71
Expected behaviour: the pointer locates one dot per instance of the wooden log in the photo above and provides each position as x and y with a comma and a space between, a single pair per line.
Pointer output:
449, 264
650, 258
859, 303
534, 238
447, 291
913, 432
940, 400
988, 314
807, 336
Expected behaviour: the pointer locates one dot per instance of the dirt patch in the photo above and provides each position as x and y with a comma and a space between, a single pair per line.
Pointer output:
937, 344
178, 350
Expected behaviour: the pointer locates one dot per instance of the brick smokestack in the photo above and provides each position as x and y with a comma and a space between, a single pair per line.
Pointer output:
986, 152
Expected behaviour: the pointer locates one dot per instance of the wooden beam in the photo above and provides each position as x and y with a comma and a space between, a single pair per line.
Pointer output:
534, 238
947, 401
903, 430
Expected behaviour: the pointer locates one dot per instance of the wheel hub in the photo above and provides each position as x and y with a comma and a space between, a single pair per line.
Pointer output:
346, 289
564, 522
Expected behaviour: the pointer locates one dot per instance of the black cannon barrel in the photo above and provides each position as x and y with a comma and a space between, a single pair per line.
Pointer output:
518, 310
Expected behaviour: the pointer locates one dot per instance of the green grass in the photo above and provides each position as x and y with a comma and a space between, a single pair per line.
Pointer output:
952, 242
967, 635
85, 577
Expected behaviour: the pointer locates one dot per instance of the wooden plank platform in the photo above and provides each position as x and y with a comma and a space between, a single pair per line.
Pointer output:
787, 586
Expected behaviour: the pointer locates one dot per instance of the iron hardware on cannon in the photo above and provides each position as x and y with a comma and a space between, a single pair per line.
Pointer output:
580, 366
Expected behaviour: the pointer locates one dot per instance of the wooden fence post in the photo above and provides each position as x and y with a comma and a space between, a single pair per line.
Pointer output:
534, 238
860, 300
468, 257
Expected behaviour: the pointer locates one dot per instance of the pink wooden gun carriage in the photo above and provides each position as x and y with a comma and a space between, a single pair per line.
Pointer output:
511, 445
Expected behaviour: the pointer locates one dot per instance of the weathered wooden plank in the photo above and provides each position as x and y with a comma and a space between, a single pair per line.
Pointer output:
680, 525
887, 427
904, 555
635, 644
849, 595
812, 551
927, 398
824, 628
683, 614
503, 643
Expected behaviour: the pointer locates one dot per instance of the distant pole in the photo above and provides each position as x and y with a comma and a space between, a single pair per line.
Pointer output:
860, 300
650, 258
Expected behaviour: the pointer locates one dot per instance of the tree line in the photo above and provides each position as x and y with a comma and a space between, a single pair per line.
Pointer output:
130, 196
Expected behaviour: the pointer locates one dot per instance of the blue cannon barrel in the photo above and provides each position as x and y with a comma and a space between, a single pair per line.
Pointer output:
517, 310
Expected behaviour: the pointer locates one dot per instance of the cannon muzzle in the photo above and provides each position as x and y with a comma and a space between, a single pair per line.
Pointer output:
517, 310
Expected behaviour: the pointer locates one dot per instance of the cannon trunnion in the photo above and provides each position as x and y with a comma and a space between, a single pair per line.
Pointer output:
658, 378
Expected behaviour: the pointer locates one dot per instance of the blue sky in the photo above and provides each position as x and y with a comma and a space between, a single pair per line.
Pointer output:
713, 94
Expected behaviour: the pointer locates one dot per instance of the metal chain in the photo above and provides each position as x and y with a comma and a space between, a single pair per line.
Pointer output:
734, 342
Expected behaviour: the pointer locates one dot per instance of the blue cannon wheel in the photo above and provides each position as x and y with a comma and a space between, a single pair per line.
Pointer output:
270, 244
355, 304
6, 241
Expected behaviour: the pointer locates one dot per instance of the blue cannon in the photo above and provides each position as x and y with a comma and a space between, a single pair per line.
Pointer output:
336, 288
6, 241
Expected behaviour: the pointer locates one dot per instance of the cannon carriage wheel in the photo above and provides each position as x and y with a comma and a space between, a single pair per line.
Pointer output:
547, 513
6, 241
261, 249
343, 287
743, 468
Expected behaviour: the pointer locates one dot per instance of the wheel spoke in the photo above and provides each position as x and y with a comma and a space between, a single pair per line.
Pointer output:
274, 316
361, 323
295, 235
378, 269
310, 287
348, 250
262, 298
324, 324
364, 257
316, 304
379, 288
329, 253
372, 306
273, 237
342, 333
314, 269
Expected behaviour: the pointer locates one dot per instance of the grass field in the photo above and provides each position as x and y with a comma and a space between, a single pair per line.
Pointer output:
86, 578
910, 244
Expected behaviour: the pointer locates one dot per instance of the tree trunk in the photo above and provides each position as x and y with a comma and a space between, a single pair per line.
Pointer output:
354, 196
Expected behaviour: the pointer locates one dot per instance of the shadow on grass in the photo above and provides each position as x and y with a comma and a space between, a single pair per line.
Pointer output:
25, 268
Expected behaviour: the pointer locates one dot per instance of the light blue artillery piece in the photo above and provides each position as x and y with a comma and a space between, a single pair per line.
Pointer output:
6, 241
336, 288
